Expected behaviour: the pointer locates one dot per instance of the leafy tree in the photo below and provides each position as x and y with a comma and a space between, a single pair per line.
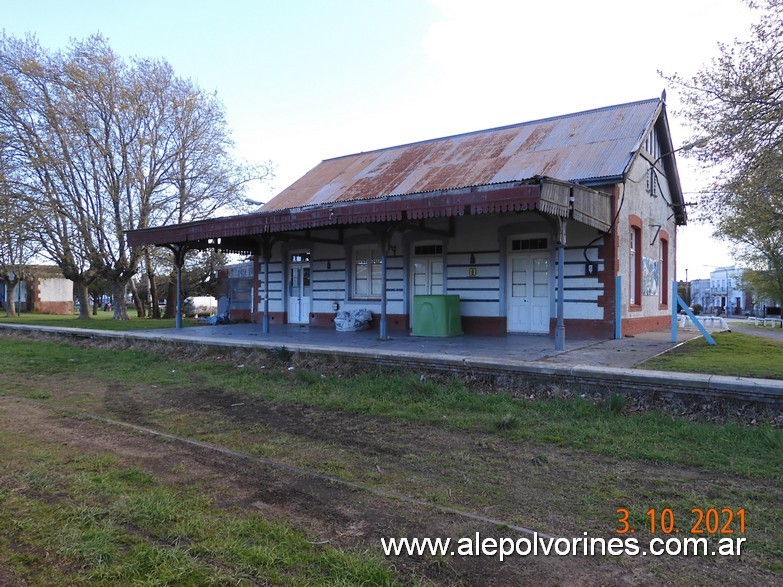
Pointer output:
682, 291
735, 103
753, 220
735, 107
100, 289
762, 286
200, 271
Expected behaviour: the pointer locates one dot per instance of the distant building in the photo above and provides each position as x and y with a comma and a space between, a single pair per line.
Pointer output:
727, 295
236, 283
20, 295
44, 291
700, 294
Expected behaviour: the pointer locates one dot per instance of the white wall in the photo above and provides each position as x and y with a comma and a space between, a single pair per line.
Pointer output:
55, 289
485, 237
654, 211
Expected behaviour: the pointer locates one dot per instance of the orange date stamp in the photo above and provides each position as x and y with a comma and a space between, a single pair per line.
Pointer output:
701, 521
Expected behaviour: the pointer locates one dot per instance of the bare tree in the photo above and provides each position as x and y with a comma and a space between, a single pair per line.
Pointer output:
205, 179
17, 244
111, 145
46, 169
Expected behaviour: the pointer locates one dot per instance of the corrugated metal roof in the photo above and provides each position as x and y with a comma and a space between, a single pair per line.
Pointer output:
582, 147
241, 233
484, 172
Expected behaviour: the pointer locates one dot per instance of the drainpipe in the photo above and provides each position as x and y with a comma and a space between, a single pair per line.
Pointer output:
560, 327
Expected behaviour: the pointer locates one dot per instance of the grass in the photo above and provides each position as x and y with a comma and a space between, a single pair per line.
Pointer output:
577, 423
91, 520
172, 542
102, 321
736, 354
574, 423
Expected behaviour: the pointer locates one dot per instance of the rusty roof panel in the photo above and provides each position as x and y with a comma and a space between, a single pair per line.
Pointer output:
488, 171
581, 147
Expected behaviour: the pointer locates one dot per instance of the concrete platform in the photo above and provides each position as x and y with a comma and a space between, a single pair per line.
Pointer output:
590, 363
510, 349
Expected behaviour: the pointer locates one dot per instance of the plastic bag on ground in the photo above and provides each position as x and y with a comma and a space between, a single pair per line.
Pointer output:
353, 320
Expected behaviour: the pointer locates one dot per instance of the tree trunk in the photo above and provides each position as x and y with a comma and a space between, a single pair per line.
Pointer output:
10, 306
171, 297
155, 307
137, 301
118, 300
83, 295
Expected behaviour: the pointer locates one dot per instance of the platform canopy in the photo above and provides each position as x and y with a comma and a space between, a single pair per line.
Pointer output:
557, 166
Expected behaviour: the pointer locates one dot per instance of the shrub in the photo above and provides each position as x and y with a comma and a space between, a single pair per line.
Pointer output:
616, 403
507, 421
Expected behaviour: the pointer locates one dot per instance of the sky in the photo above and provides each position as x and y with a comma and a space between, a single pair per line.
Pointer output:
307, 80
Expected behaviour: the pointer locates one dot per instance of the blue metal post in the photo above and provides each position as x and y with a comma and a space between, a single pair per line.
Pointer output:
178, 319
675, 295
179, 259
560, 327
383, 290
681, 303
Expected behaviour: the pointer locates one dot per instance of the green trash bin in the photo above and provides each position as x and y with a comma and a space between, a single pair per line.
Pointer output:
436, 315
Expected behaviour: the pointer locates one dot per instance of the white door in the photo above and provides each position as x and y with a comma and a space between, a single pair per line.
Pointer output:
528, 293
299, 293
426, 278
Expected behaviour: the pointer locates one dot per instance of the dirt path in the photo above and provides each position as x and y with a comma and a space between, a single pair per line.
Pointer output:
537, 486
541, 486
775, 334
328, 512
